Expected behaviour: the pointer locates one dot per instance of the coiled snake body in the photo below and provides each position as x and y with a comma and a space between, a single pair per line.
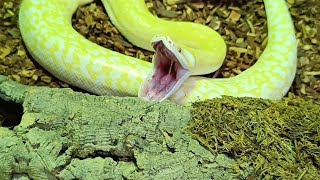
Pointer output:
49, 37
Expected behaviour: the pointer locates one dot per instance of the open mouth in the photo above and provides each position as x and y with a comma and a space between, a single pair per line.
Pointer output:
168, 73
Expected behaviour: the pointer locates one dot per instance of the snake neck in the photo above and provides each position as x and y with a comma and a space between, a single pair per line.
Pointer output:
140, 26
269, 78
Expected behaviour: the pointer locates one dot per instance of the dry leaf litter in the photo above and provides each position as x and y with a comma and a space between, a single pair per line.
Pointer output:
241, 23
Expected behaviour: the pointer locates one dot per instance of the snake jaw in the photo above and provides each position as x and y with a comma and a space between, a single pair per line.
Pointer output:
169, 72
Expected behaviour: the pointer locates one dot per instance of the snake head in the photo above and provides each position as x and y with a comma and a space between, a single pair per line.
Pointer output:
171, 67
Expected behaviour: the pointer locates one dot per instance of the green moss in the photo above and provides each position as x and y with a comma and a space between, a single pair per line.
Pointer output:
279, 138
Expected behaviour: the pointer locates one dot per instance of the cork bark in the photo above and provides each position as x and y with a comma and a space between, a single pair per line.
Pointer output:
70, 135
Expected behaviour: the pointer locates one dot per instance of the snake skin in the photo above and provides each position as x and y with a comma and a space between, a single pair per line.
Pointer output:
51, 40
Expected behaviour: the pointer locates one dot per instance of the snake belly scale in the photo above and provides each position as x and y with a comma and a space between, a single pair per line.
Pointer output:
51, 40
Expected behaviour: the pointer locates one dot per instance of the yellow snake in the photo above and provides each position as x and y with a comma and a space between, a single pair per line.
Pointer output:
182, 49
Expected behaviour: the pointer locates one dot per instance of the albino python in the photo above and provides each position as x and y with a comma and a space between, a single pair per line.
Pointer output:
182, 50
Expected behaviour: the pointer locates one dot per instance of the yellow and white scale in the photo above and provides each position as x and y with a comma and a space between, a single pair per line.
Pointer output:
46, 29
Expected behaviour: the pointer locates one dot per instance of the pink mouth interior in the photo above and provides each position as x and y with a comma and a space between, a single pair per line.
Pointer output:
168, 72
